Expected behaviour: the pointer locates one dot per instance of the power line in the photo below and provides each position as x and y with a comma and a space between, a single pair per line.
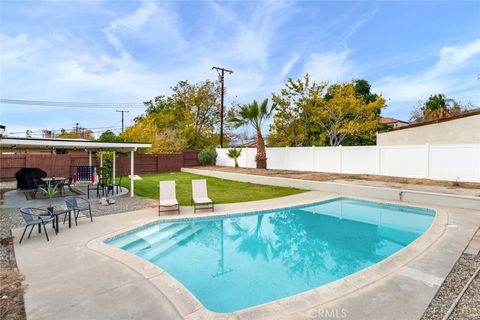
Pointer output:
71, 104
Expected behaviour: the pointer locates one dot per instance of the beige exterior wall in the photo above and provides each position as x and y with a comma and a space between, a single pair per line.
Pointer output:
458, 131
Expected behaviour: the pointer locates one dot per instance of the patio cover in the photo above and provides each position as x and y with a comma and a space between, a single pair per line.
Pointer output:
77, 144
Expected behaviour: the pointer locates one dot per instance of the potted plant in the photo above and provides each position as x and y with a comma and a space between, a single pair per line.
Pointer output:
50, 191
234, 154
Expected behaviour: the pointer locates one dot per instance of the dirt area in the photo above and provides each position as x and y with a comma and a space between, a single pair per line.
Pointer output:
11, 292
454, 187
11, 287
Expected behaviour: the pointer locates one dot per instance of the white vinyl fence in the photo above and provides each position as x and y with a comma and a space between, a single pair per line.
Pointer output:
441, 161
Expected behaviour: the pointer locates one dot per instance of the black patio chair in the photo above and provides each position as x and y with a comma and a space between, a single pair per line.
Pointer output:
38, 184
79, 205
113, 186
67, 183
102, 185
34, 217
118, 185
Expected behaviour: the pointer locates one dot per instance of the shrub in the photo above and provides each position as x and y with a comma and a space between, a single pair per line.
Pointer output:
208, 156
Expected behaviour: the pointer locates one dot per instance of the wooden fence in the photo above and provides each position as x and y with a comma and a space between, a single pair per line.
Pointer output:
63, 165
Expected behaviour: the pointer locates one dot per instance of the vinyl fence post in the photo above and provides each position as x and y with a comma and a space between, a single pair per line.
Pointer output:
341, 160
313, 158
246, 156
427, 160
286, 158
379, 151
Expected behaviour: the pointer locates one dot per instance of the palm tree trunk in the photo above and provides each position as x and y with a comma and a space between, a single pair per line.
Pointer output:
261, 157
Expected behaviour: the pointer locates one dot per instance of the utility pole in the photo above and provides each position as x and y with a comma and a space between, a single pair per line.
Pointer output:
122, 111
221, 74
76, 128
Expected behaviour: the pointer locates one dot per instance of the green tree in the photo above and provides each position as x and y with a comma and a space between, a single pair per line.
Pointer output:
165, 140
192, 112
314, 114
255, 115
437, 106
292, 123
362, 87
346, 114
108, 136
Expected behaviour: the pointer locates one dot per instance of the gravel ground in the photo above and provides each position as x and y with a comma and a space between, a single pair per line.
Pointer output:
469, 306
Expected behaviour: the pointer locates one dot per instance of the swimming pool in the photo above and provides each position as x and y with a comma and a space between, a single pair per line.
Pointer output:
238, 261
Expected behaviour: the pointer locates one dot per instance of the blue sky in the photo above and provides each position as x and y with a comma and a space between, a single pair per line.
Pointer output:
131, 51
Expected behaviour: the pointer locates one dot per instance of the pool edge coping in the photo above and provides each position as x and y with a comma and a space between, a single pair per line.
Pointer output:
188, 306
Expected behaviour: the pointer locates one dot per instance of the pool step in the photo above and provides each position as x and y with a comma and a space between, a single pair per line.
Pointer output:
162, 249
147, 238
128, 239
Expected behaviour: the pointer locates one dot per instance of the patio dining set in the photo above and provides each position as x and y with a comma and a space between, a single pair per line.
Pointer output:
103, 187
41, 217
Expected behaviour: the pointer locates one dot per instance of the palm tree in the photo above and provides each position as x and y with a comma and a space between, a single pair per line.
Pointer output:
234, 154
255, 114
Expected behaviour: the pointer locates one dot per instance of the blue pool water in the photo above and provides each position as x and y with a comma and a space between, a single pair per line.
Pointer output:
234, 262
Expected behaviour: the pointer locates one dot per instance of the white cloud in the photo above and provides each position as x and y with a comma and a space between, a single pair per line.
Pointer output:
121, 27
443, 77
452, 59
20, 47
331, 66
288, 66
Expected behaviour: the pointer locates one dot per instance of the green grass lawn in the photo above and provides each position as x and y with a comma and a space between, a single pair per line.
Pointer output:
219, 190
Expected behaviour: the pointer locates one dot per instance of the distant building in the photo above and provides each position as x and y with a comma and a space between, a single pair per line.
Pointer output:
464, 128
47, 134
394, 123
251, 143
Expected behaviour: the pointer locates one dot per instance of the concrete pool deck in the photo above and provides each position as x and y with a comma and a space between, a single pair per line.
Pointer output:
77, 276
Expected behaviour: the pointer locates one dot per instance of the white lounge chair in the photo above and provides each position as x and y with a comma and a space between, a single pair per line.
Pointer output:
168, 197
200, 195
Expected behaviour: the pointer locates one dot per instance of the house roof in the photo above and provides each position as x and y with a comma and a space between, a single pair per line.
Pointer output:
71, 144
391, 120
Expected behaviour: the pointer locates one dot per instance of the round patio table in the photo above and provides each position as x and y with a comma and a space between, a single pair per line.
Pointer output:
54, 179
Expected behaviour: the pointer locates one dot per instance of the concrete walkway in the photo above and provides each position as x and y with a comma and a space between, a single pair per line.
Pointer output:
68, 280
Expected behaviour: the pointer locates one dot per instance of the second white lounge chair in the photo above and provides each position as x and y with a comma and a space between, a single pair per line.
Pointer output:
168, 197
200, 195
